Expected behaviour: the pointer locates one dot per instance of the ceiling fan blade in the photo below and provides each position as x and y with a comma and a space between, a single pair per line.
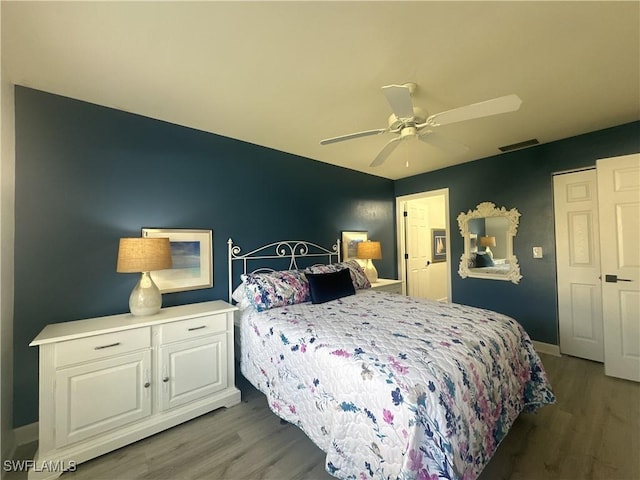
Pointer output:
399, 98
449, 146
386, 151
508, 103
350, 136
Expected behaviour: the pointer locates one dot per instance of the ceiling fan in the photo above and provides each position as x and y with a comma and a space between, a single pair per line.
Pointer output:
408, 121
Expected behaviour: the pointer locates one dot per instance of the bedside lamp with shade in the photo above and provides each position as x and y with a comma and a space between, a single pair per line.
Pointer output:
144, 255
488, 242
368, 251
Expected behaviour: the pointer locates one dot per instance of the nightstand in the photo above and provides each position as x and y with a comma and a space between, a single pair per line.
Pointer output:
388, 285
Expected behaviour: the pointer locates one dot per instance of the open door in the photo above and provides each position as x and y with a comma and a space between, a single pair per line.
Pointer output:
420, 216
575, 198
619, 211
417, 243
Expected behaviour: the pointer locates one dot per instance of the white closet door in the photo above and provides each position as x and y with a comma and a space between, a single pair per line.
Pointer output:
619, 208
578, 265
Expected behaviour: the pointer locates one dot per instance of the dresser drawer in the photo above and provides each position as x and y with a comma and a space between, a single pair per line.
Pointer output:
101, 346
193, 327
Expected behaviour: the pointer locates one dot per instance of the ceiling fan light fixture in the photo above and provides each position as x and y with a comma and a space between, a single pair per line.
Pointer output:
408, 132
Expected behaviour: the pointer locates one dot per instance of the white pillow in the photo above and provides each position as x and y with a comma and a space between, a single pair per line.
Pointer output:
240, 296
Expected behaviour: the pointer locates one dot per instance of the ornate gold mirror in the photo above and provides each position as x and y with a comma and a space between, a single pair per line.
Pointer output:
488, 234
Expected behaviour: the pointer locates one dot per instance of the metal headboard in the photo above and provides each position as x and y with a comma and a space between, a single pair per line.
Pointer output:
291, 250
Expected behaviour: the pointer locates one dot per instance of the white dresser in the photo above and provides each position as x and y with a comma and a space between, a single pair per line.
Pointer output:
388, 285
106, 382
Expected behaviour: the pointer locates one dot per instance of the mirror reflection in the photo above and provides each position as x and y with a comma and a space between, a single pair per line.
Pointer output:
488, 253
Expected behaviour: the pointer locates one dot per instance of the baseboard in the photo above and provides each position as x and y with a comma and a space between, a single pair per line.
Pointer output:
26, 434
8, 449
547, 348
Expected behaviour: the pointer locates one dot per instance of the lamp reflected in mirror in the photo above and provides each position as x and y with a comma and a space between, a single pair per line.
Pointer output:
488, 242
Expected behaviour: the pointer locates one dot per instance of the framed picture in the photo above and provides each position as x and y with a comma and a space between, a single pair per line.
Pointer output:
192, 258
438, 245
350, 242
473, 242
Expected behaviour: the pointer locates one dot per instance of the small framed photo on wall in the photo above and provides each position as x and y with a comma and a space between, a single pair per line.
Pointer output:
473, 242
350, 240
192, 258
438, 245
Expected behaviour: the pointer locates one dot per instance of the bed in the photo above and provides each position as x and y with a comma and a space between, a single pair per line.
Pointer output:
387, 385
479, 262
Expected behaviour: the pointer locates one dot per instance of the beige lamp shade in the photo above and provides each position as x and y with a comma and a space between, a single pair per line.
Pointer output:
143, 255
369, 250
487, 241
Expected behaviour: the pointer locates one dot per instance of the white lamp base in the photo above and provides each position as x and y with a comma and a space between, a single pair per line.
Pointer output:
489, 252
371, 272
145, 299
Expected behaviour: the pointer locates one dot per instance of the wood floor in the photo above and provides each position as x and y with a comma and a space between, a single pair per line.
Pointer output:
592, 432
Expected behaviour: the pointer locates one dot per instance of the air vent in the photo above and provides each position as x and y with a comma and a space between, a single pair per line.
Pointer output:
515, 146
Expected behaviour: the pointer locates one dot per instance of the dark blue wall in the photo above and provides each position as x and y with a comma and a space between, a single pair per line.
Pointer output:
88, 175
523, 180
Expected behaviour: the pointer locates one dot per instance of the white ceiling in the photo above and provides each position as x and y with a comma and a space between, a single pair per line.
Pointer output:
287, 74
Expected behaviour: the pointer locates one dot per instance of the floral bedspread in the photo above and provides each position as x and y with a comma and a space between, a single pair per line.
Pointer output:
392, 387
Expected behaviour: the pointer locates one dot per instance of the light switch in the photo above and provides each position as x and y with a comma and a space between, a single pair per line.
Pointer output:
537, 252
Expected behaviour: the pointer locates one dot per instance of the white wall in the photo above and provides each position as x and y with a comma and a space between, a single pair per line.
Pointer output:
7, 233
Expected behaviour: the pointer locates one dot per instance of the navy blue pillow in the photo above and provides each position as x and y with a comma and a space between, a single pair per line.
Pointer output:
329, 286
484, 260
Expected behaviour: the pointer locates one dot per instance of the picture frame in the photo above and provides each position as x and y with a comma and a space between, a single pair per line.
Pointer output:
473, 242
350, 240
192, 257
438, 245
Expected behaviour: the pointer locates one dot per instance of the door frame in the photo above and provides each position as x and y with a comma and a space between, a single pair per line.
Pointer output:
401, 234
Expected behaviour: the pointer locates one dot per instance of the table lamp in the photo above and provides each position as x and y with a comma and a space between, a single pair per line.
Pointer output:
369, 251
144, 255
488, 242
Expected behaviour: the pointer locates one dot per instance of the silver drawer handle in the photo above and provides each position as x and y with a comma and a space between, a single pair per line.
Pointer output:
196, 328
107, 346
147, 384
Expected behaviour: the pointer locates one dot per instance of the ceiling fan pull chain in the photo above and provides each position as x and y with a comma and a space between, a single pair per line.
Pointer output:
406, 150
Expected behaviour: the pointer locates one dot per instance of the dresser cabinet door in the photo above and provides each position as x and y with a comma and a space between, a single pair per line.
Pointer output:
95, 397
192, 369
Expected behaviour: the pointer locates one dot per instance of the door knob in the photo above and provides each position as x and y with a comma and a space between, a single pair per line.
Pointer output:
615, 279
